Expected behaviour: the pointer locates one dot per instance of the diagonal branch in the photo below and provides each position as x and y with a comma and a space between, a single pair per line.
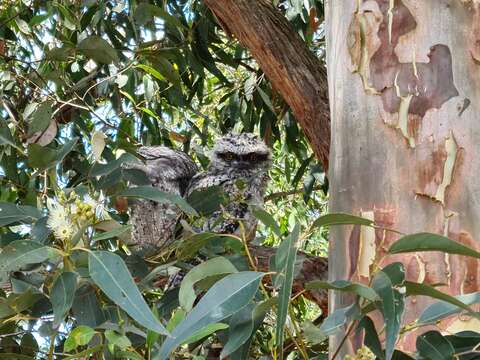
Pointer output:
293, 70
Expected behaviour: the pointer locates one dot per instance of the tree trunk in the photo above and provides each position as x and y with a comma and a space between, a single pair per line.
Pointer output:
292, 69
404, 87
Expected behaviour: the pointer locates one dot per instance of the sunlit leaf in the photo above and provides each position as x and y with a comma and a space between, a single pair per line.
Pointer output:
117, 339
79, 336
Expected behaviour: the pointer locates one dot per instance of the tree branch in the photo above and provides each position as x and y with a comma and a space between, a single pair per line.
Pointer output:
293, 70
309, 268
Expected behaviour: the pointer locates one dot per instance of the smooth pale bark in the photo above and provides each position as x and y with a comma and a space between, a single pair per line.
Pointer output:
404, 88
293, 70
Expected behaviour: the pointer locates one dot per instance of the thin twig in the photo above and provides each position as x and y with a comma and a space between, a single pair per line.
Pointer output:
347, 334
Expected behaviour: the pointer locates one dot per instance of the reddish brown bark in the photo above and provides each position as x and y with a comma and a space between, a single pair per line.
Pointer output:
309, 268
291, 67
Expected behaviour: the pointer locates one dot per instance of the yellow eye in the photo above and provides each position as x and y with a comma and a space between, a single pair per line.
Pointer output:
253, 157
228, 156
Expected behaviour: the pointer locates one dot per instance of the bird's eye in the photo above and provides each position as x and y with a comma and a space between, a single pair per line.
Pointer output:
253, 157
228, 156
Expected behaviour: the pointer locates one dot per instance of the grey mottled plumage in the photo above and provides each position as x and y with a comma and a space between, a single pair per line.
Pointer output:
169, 171
239, 164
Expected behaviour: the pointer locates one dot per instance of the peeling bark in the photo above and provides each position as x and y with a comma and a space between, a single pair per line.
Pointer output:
404, 90
293, 70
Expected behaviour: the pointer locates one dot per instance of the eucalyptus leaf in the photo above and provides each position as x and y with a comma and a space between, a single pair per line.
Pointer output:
226, 297
215, 266
288, 253
110, 273
430, 242
98, 49
62, 295
40, 118
341, 219
442, 309
432, 345
23, 252
12, 213
344, 286
266, 219
392, 307
151, 193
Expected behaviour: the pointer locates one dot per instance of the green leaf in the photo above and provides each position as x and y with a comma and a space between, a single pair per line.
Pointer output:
151, 193
206, 331
110, 273
464, 341
313, 335
41, 117
151, 71
371, 338
288, 251
59, 54
98, 49
442, 309
208, 200
338, 319
86, 354
145, 13
117, 339
86, 307
152, 336
130, 355
427, 290
266, 219
432, 345
23, 252
166, 68
344, 286
223, 299
62, 295
112, 234
79, 336
240, 330
29, 345
215, 266
259, 314
341, 219
392, 308
12, 213
396, 272
44, 157
430, 242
